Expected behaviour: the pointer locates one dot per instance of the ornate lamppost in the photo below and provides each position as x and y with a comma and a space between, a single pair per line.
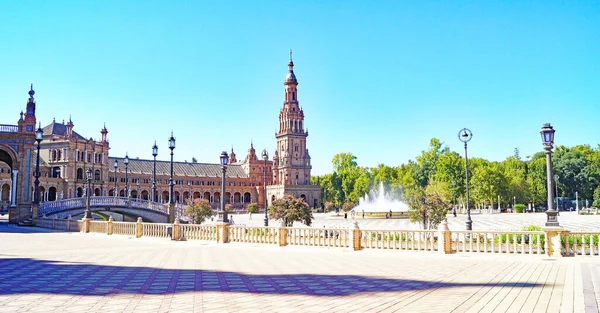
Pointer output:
154, 154
265, 156
36, 195
88, 213
547, 133
223, 158
126, 162
116, 165
556, 191
171, 183
465, 136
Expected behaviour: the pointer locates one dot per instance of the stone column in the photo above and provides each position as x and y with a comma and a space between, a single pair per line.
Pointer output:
222, 232
282, 235
553, 246
138, 228
109, 226
355, 236
176, 230
444, 238
13, 189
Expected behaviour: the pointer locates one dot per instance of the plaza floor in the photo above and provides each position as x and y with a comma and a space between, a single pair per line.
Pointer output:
481, 221
44, 271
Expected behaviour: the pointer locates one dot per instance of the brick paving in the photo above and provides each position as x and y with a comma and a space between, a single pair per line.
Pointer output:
42, 271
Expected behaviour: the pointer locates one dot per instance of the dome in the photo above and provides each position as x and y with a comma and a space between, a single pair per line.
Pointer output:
290, 77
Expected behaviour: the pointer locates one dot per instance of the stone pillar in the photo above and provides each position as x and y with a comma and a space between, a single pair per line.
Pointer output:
171, 213
13, 189
355, 236
109, 226
444, 238
282, 235
138, 228
176, 230
86, 225
553, 246
222, 232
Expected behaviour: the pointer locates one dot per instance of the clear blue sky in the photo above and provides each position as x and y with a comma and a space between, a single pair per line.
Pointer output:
376, 78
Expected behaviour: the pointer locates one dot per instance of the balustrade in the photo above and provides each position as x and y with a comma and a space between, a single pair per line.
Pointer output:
420, 240
522, 242
584, 243
269, 235
9, 128
156, 230
330, 237
199, 232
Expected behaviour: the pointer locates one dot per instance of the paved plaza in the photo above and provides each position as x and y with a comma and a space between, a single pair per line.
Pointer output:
481, 221
46, 271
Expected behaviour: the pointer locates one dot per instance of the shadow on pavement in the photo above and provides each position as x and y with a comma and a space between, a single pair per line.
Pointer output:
5, 227
30, 276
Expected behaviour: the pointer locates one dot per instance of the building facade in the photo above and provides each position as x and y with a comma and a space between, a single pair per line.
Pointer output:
65, 157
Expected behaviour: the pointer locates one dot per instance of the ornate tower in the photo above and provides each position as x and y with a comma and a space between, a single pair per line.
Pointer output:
103, 132
27, 124
293, 164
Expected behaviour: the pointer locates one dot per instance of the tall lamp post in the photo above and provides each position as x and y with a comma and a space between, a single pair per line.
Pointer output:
556, 190
36, 194
223, 158
126, 162
265, 156
171, 183
116, 165
465, 136
547, 133
154, 154
88, 213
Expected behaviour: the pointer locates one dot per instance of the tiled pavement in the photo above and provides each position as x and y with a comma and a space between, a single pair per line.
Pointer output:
72, 272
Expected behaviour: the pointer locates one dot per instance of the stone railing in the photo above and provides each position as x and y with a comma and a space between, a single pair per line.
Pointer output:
551, 241
583, 243
9, 128
421, 240
522, 242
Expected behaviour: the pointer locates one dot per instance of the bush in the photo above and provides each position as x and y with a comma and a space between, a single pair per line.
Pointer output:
348, 206
520, 208
252, 208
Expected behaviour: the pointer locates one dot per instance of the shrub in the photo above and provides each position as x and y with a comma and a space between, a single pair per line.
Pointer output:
348, 206
520, 208
252, 208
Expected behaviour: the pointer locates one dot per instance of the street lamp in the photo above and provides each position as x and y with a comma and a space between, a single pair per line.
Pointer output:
465, 136
38, 138
223, 158
265, 156
154, 154
171, 183
116, 165
514, 201
126, 162
88, 213
547, 133
556, 189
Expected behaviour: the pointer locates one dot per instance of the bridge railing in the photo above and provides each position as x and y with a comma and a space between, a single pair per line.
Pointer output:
52, 207
4, 128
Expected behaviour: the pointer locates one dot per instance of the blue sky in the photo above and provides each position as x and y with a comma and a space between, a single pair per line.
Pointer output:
376, 78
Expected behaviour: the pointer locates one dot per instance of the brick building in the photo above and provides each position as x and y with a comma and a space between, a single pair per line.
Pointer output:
66, 155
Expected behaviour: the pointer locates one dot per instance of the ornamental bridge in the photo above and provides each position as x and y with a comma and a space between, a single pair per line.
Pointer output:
130, 208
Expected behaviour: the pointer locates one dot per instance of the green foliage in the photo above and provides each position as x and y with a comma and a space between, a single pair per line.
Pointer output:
524, 181
427, 205
329, 206
199, 210
596, 202
348, 206
228, 207
252, 208
520, 208
290, 210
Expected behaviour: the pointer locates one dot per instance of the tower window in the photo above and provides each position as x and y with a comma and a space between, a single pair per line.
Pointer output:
293, 95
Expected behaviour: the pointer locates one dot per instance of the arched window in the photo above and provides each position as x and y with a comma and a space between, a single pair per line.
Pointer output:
79, 173
97, 175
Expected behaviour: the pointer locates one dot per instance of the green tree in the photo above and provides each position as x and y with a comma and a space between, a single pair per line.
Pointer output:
252, 208
428, 205
199, 210
290, 210
596, 202
347, 170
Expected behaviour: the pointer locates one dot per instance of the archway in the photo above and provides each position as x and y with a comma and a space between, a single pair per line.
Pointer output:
122, 193
227, 197
206, 196
6, 157
303, 197
79, 192
97, 192
247, 197
145, 194
111, 193
42, 192
5, 194
134, 194
52, 194
217, 197
165, 196
176, 196
237, 197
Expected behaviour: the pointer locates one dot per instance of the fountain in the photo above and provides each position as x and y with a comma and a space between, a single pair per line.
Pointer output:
380, 202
